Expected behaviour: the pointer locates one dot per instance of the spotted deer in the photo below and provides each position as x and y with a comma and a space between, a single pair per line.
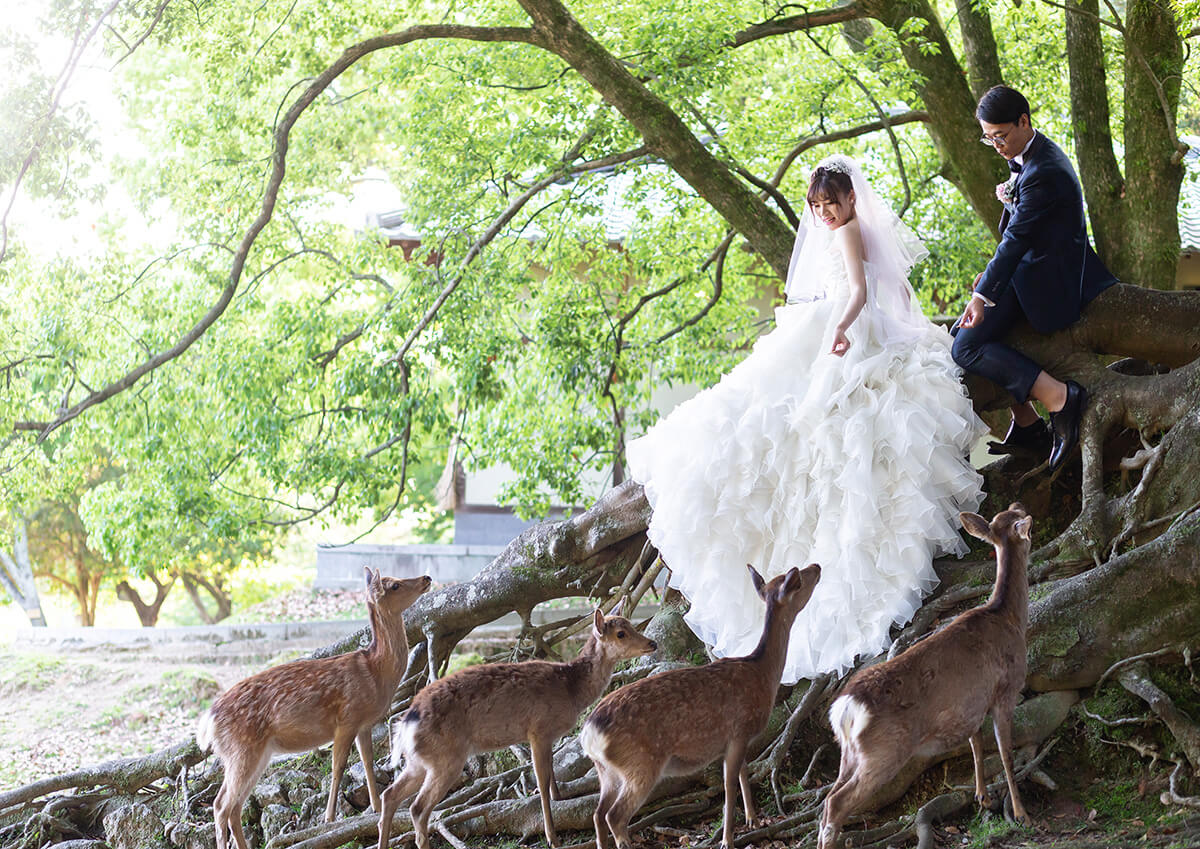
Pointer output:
482, 708
300, 705
937, 693
679, 721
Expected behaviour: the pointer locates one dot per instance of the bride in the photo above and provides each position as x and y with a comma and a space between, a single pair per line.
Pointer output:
842, 439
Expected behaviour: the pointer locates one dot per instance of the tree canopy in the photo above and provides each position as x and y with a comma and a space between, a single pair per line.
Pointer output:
603, 194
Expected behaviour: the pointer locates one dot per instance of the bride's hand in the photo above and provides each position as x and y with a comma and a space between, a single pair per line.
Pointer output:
840, 343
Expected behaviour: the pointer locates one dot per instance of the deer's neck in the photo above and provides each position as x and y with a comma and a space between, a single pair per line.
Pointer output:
388, 651
1010, 595
592, 671
771, 651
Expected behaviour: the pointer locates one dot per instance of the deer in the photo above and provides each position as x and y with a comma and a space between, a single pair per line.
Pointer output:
298, 706
679, 721
929, 699
483, 708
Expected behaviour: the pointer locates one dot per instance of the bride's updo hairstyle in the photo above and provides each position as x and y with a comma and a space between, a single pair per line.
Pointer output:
828, 183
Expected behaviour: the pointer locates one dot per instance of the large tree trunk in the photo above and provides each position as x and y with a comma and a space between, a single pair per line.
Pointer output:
1103, 185
224, 604
1153, 166
947, 98
147, 611
1139, 602
664, 132
16, 575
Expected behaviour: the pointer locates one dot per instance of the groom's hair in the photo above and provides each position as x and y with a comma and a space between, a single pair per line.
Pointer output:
1002, 105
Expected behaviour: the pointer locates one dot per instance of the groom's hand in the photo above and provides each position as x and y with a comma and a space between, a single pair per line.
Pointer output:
973, 315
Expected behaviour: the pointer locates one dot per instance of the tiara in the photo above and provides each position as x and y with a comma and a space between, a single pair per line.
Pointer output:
836, 162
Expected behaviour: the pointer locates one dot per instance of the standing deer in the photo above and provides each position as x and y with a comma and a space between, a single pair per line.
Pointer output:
300, 705
676, 722
482, 708
928, 699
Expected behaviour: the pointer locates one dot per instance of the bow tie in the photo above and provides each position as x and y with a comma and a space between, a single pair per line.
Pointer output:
1014, 166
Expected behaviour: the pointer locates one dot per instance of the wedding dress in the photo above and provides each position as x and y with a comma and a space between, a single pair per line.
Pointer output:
858, 463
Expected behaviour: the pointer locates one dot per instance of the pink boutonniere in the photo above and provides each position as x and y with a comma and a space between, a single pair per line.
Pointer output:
1006, 192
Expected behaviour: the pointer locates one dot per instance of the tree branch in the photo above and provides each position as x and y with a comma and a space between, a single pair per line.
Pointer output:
798, 23
59, 89
282, 133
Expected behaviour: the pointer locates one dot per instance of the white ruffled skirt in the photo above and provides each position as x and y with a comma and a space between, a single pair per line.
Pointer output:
858, 463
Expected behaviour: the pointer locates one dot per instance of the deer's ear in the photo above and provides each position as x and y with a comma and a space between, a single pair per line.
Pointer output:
1024, 527
976, 526
598, 623
792, 580
759, 583
369, 576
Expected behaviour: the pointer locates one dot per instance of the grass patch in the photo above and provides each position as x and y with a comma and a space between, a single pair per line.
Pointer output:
179, 689
984, 830
30, 673
462, 661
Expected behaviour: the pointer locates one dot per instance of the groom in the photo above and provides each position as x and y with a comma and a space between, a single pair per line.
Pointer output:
1043, 270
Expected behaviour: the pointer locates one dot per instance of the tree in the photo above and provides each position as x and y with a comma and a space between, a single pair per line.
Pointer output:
16, 574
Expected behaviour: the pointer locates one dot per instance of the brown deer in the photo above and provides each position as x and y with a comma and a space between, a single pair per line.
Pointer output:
482, 708
300, 705
676, 722
936, 694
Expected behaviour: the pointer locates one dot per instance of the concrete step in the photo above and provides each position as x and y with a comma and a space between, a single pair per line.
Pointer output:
258, 641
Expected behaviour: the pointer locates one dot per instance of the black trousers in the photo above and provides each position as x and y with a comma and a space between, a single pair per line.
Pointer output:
979, 350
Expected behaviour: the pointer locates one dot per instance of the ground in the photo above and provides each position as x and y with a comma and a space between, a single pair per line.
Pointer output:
68, 710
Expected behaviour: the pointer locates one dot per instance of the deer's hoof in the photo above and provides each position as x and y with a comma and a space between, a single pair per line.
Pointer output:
984, 801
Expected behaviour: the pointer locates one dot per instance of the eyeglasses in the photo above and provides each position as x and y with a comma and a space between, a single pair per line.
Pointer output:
996, 139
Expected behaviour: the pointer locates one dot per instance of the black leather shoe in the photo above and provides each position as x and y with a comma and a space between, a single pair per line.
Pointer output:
1065, 424
1034, 439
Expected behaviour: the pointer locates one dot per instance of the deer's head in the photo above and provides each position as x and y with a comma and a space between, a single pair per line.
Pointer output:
1013, 525
789, 591
393, 595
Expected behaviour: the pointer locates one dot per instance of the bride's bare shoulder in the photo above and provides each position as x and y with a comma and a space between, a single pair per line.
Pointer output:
849, 237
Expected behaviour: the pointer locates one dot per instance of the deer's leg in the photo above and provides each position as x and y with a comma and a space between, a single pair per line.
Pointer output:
747, 796
633, 793
404, 786
342, 739
366, 753
734, 754
981, 793
219, 823
240, 776
827, 835
874, 763
609, 784
432, 791
1002, 721
543, 770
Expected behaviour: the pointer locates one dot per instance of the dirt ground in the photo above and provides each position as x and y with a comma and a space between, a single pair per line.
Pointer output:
63, 711
67, 710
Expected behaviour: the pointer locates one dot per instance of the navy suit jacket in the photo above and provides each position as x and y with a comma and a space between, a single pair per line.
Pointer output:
1044, 254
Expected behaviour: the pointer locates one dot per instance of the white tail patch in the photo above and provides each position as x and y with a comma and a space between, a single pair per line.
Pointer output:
592, 741
402, 741
205, 732
849, 717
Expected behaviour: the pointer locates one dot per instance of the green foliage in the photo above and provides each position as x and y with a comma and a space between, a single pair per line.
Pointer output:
548, 351
461, 660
